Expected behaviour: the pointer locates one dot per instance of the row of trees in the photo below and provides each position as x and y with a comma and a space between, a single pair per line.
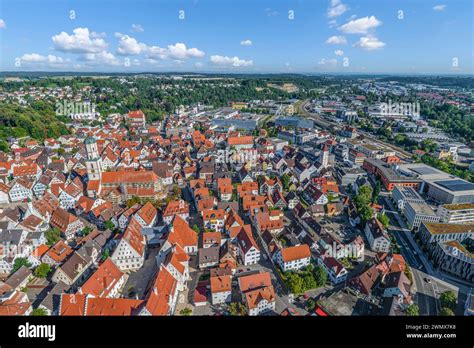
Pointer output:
448, 302
448, 166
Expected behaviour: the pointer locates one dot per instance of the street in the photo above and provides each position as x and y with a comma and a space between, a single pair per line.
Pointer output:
427, 294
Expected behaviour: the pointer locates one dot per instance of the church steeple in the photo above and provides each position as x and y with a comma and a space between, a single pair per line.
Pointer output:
93, 161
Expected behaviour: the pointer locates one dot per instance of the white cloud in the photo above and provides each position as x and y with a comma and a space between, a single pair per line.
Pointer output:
42, 61
270, 12
361, 25
332, 61
336, 8
198, 65
339, 52
102, 58
225, 61
130, 46
246, 42
137, 28
179, 51
369, 43
336, 40
3, 25
95, 35
439, 8
155, 62
332, 23
79, 42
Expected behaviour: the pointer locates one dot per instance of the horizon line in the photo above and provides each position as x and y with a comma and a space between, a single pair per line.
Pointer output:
171, 72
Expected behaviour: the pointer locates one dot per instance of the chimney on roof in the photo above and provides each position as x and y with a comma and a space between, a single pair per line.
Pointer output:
155, 291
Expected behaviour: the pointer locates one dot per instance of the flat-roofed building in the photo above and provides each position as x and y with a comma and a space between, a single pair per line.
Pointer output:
438, 185
450, 247
296, 122
346, 175
452, 191
431, 232
388, 175
462, 213
416, 213
456, 258
402, 195
375, 151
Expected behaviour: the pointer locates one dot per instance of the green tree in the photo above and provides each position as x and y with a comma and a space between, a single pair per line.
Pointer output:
375, 194
109, 225
236, 309
446, 312
52, 236
132, 201
195, 228
413, 310
295, 283
320, 276
285, 181
105, 254
362, 202
310, 305
19, 262
42, 270
186, 311
38, 312
363, 197
309, 281
408, 273
448, 299
86, 230
384, 220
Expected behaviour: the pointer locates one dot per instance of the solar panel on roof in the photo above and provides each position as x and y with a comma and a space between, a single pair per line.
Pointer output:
456, 185
424, 170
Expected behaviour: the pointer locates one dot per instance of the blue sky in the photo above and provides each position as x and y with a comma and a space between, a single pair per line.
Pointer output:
256, 36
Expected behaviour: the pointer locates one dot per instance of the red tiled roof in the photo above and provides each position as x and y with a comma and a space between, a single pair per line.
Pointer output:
182, 234
164, 287
103, 280
59, 251
176, 207
254, 281
147, 213
62, 219
134, 237
221, 283
112, 306
245, 140
129, 177
254, 297
295, 253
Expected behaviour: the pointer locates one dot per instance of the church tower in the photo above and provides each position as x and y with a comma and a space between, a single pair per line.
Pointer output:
93, 161
324, 156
